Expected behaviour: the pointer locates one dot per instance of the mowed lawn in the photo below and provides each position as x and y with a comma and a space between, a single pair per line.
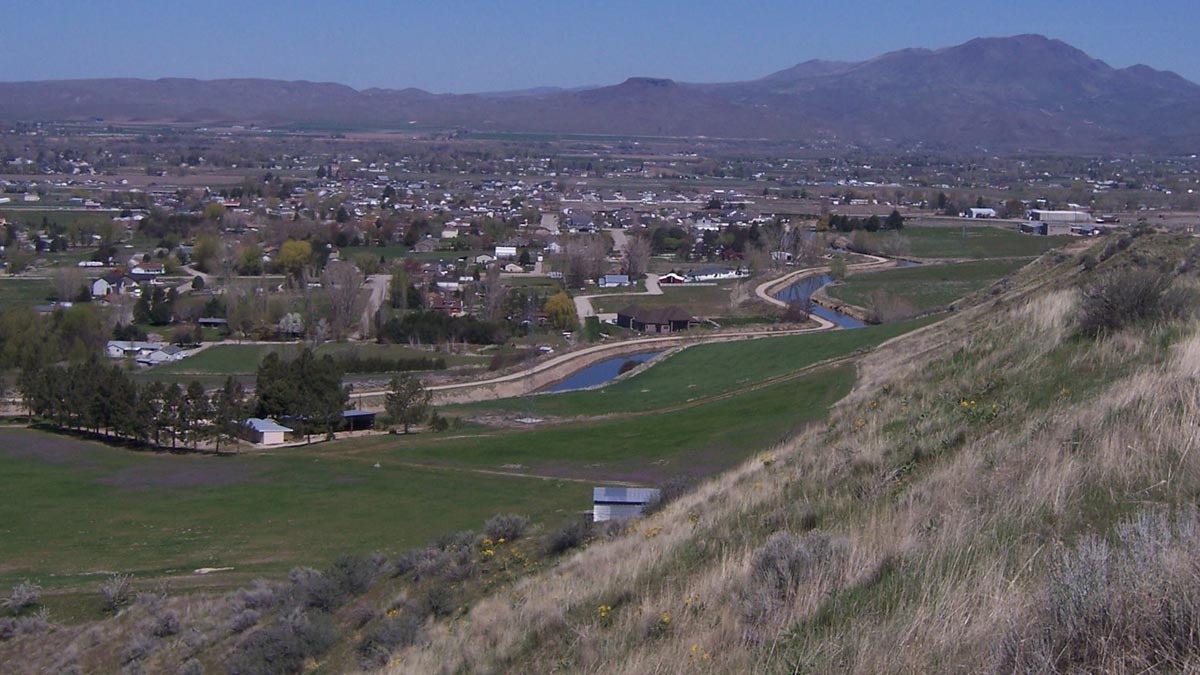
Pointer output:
704, 370
74, 510
928, 286
979, 242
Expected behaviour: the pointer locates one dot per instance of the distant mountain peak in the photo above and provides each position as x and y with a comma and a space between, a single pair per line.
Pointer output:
649, 82
1002, 93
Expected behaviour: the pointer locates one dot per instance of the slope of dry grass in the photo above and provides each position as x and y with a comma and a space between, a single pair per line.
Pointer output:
923, 524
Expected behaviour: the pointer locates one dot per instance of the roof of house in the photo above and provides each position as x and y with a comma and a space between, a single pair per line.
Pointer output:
262, 425
657, 315
624, 495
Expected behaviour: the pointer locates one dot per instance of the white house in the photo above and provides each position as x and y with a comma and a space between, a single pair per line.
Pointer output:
512, 268
506, 252
266, 431
983, 213
450, 233
484, 259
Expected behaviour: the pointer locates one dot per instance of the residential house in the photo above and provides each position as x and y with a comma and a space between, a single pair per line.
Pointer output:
671, 278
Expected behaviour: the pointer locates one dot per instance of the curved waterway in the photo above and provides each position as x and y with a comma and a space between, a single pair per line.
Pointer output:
599, 373
804, 288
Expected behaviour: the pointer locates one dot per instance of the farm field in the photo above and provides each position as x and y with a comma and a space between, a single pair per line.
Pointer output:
980, 242
702, 371
926, 287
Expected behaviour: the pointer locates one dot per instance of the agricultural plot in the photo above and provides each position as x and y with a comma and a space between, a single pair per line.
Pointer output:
925, 287
976, 242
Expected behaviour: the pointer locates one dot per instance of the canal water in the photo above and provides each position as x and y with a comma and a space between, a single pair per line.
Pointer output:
804, 288
599, 373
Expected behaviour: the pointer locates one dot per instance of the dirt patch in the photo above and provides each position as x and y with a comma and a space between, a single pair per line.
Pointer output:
154, 471
184, 472
19, 443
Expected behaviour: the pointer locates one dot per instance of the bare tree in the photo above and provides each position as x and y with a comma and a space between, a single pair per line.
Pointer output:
67, 282
583, 259
637, 256
494, 292
343, 283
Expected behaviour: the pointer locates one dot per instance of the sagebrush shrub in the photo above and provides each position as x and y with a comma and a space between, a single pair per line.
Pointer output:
116, 591
506, 526
569, 536
1128, 606
24, 594
1128, 297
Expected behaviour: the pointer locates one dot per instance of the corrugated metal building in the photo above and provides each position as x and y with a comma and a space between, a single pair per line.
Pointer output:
619, 503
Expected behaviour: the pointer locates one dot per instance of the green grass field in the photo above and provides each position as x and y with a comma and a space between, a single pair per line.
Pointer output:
23, 292
980, 242
704, 370
927, 286
77, 510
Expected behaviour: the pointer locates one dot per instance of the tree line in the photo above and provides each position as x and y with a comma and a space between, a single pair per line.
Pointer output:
102, 399
872, 223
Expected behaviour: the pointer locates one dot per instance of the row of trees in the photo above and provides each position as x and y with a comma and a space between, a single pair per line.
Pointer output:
872, 223
307, 390
102, 399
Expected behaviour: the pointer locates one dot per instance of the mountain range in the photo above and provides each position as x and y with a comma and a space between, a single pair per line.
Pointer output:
1023, 93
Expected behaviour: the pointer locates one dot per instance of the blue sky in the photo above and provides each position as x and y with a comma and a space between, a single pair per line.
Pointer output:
464, 46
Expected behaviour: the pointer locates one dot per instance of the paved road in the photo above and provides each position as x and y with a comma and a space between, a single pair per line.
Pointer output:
378, 283
583, 303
